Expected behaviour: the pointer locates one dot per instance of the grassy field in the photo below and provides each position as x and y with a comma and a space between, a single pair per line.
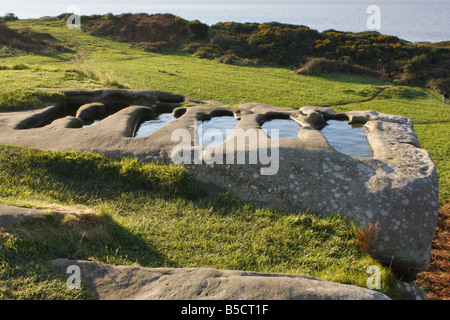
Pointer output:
137, 222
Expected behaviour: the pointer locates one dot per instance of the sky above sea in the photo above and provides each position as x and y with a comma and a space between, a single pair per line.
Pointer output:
412, 20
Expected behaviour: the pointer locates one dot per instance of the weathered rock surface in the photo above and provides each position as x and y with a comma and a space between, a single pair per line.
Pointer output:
396, 189
9, 215
130, 282
91, 111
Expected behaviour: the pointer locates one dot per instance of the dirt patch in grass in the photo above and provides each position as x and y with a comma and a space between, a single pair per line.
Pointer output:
436, 279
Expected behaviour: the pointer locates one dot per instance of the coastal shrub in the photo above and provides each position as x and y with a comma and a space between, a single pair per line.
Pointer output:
156, 32
322, 65
418, 63
441, 85
282, 44
230, 29
368, 53
109, 16
8, 17
29, 41
197, 29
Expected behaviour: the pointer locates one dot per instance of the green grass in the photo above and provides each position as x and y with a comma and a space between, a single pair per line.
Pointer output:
175, 72
136, 218
144, 222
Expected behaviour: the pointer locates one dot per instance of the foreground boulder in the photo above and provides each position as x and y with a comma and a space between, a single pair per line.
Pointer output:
130, 282
10, 215
393, 191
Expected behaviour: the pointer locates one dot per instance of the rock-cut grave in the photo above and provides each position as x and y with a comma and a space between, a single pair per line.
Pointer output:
363, 165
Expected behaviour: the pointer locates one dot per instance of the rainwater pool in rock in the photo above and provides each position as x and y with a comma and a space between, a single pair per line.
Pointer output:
216, 130
91, 124
149, 126
347, 139
286, 128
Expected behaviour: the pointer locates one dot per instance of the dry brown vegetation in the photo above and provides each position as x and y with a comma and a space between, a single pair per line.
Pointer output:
150, 32
436, 279
366, 236
30, 41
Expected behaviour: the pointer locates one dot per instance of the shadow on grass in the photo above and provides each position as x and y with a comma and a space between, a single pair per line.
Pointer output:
78, 177
73, 178
350, 78
82, 236
27, 248
406, 93
337, 77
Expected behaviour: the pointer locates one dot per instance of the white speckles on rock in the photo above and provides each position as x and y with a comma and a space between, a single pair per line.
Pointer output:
338, 175
384, 213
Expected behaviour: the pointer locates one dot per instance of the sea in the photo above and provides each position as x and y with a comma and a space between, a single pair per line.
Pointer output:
411, 20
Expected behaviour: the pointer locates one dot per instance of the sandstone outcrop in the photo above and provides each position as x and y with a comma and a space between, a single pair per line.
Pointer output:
10, 215
395, 189
138, 283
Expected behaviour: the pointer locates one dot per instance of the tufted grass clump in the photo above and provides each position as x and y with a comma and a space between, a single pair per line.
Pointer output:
24, 99
365, 236
73, 176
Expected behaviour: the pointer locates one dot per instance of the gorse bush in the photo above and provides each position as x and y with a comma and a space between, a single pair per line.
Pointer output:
282, 44
8, 17
418, 63
278, 44
151, 32
197, 29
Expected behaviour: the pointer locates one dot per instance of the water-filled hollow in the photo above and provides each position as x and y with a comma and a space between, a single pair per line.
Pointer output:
93, 123
287, 128
149, 125
347, 138
215, 131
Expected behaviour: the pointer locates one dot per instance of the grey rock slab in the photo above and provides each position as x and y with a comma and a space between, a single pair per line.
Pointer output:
91, 111
10, 215
109, 282
396, 189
